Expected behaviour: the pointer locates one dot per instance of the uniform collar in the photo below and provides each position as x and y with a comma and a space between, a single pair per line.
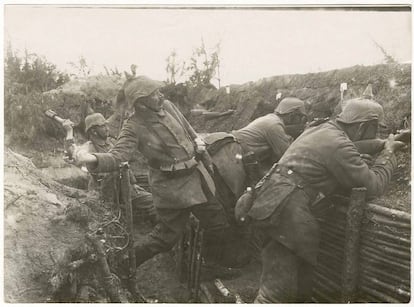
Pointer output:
279, 119
335, 124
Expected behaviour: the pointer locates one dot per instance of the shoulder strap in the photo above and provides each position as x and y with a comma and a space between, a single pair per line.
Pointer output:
153, 131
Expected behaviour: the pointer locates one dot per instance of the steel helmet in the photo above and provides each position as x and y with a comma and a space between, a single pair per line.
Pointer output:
139, 87
361, 110
95, 119
290, 104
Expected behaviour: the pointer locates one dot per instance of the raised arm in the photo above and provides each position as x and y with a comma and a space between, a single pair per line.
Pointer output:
351, 171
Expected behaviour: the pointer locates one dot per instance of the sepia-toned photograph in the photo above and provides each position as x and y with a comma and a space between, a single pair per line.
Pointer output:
205, 153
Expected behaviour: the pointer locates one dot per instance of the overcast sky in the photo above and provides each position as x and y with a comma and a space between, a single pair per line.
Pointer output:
254, 43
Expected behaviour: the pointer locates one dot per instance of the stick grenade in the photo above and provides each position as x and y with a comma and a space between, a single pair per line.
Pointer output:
69, 133
126, 199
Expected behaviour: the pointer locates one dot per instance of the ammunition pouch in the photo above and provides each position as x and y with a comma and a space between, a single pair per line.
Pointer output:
275, 190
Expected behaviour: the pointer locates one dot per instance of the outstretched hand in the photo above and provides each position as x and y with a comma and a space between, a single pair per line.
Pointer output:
79, 155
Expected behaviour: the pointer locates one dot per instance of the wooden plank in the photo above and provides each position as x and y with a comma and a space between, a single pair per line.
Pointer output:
390, 213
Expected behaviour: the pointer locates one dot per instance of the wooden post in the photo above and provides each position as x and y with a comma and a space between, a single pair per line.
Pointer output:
126, 200
354, 217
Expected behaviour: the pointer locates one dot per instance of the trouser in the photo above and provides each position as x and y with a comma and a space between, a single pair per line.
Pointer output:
286, 278
289, 241
236, 252
172, 224
142, 205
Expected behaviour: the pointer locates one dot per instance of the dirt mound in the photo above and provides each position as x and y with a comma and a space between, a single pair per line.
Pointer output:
46, 224
36, 230
391, 86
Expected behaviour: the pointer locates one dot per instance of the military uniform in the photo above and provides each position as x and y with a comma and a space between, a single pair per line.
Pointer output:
180, 183
107, 184
265, 137
323, 159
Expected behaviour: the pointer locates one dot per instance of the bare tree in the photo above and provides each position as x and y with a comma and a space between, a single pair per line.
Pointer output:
203, 66
387, 57
174, 68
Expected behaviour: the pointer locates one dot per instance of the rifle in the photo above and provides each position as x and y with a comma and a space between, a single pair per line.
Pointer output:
69, 133
403, 135
318, 121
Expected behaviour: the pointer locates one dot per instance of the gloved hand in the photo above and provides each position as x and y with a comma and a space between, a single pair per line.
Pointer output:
392, 145
68, 126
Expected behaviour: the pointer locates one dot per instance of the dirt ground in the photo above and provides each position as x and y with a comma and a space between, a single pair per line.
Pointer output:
44, 219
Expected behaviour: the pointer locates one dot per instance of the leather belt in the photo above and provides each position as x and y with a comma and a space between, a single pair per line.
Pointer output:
174, 167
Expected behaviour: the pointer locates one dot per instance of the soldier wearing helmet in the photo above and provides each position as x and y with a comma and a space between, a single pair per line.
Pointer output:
105, 183
179, 178
265, 140
324, 160
96, 130
243, 156
293, 114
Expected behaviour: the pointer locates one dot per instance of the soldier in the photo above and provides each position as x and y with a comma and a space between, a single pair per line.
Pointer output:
106, 184
323, 159
179, 177
264, 140
243, 157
